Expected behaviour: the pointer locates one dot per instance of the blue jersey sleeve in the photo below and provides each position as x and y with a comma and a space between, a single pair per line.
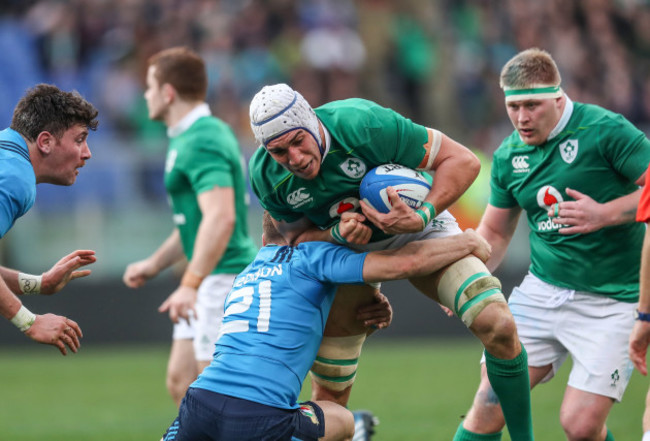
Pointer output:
16, 193
332, 263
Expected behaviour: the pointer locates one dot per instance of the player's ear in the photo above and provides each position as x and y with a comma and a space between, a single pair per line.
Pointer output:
45, 142
168, 93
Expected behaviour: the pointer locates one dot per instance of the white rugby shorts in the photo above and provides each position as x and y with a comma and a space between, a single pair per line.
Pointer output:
204, 330
442, 225
554, 322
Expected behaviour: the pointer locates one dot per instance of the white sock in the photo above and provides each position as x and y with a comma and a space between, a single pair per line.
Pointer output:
646, 436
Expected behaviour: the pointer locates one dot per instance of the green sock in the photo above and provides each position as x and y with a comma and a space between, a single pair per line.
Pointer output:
463, 434
511, 383
609, 436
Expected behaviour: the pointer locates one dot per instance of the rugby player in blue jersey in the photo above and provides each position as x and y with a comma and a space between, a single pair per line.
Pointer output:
46, 142
274, 320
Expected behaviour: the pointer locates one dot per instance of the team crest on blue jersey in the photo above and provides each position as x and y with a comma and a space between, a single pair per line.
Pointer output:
308, 411
354, 167
569, 150
347, 204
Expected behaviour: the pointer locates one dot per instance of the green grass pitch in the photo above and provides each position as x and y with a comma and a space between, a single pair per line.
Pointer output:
418, 388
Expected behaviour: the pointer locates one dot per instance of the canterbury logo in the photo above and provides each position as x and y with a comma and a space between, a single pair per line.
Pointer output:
520, 163
297, 197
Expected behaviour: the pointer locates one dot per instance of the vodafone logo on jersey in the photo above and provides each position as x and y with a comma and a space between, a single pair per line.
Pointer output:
546, 197
347, 204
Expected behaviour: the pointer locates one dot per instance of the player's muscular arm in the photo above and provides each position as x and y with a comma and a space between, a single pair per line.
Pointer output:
456, 167
497, 227
216, 227
425, 257
217, 224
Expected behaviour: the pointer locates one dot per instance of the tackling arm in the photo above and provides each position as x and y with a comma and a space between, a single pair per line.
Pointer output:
422, 258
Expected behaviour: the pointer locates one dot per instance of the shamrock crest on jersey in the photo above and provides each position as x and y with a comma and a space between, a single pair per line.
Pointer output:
353, 167
569, 150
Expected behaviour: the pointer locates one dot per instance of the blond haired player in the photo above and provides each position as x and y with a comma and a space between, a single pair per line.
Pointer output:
574, 169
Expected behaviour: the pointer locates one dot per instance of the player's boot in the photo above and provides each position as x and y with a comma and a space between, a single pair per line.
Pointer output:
364, 425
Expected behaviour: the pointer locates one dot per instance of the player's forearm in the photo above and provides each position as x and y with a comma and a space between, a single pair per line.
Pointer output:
418, 258
9, 303
621, 210
169, 252
210, 244
453, 177
10, 277
432, 255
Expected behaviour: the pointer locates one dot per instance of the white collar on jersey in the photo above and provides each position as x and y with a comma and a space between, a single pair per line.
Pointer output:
198, 112
564, 119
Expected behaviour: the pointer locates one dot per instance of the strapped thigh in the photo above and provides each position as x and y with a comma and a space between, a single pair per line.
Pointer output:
335, 367
467, 287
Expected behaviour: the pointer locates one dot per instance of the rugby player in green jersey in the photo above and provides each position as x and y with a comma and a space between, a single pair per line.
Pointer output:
307, 173
206, 184
575, 169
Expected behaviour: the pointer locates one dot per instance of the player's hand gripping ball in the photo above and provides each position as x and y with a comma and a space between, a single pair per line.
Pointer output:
411, 185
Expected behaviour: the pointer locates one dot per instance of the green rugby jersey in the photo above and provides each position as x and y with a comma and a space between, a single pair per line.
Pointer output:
598, 153
204, 156
363, 136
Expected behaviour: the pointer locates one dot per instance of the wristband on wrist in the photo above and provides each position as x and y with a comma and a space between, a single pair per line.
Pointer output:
642, 316
29, 283
336, 235
191, 279
424, 215
429, 206
24, 319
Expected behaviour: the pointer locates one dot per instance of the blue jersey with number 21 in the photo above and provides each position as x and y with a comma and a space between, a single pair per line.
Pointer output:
274, 320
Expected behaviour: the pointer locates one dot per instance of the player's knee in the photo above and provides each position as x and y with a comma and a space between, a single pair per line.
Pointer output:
177, 385
467, 287
335, 367
497, 327
576, 429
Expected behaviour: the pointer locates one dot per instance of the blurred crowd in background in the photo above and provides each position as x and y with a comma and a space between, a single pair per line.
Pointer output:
435, 61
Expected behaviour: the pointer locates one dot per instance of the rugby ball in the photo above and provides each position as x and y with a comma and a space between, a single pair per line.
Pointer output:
411, 185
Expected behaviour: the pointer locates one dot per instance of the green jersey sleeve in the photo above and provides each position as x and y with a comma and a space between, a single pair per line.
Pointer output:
208, 164
500, 197
625, 147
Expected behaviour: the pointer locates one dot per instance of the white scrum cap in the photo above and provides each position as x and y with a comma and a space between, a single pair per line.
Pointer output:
278, 109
